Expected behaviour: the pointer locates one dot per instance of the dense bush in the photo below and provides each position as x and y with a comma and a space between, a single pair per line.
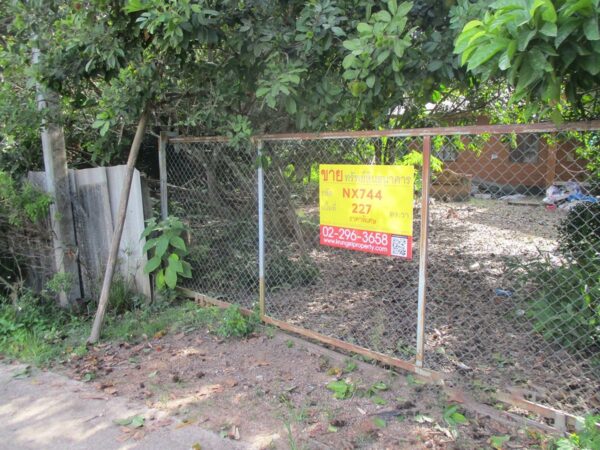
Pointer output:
566, 306
579, 233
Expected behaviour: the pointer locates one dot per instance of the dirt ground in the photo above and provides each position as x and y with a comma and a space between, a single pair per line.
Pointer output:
270, 392
484, 338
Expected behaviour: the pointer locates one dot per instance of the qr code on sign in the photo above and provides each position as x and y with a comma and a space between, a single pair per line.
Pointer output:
400, 246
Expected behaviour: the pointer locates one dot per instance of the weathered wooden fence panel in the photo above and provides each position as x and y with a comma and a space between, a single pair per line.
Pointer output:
95, 196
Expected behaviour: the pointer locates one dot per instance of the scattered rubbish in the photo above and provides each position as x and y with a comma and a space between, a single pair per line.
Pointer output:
503, 292
567, 196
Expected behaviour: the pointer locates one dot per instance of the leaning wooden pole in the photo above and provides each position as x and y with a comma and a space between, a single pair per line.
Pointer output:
118, 232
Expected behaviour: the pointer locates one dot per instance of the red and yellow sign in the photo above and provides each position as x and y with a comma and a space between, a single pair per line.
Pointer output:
367, 208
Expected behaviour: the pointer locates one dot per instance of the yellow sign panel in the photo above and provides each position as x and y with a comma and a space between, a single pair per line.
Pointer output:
367, 208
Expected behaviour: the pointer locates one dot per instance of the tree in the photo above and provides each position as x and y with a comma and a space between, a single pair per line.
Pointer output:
547, 50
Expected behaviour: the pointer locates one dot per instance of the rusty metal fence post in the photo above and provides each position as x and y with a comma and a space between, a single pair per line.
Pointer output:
423, 241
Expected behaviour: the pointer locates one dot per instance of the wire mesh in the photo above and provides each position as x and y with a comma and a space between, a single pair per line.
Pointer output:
365, 299
511, 305
513, 286
212, 187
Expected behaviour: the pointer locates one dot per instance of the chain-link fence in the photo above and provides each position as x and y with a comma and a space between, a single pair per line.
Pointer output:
513, 270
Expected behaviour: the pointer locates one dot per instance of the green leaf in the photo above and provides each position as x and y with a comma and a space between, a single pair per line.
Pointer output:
380, 386
162, 245
170, 277
262, 91
370, 81
364, 28
549, 29
338, 31
590, 64
132, 6
341, 389
149, 244
549, 14
498, 441
524, 38
177, 242
123, 422
382, 16
484, 53
379, 400
590, 28
348, 61
379, 422
434, 65
104, 128
160, 279
404, 8
565, 30
187, 270
399, 48
352, 44
392, 6
382, 57
137, 422
152, 264
133, 421
472, 24
290, 105
504, 61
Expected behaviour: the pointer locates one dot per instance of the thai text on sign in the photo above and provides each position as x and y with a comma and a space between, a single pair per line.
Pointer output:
367, 208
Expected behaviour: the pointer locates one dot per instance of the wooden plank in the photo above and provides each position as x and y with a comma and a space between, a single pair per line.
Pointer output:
562, 421
394, 362
93, 223
504, 417
131, 257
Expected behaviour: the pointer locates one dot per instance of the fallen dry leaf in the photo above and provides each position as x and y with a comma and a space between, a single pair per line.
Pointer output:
230, 382
163, 422
261, 363
185, 423
138, 435
111, 391
124, 437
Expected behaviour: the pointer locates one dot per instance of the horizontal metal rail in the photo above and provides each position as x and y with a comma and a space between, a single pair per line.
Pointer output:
544, 127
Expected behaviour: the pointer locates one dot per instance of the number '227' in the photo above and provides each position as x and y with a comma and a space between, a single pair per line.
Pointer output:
361, 208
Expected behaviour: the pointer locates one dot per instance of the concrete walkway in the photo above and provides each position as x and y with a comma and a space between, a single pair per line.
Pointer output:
44, 410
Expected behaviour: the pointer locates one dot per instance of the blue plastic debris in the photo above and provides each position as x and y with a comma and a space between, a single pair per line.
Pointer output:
503, 292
